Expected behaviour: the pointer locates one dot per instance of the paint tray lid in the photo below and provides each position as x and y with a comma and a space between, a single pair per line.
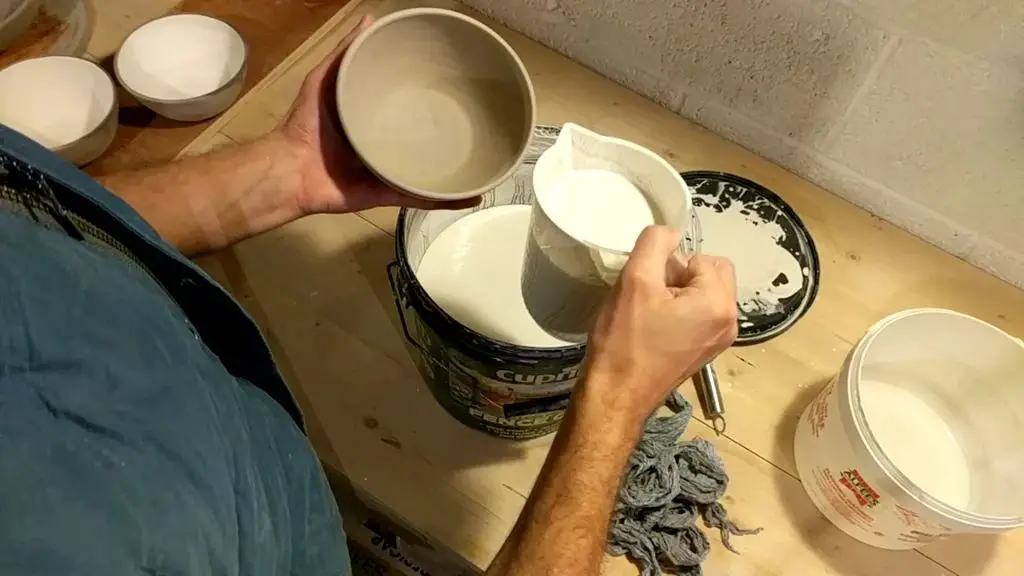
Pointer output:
777, 266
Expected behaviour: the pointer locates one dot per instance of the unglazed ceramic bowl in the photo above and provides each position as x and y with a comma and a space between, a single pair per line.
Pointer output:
185, 67
15, 17
436, 103
67, 104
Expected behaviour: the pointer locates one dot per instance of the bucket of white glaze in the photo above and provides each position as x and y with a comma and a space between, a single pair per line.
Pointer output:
593, 195
921, 435
477, 371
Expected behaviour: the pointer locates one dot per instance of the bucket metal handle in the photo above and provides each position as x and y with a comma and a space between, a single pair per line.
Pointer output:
401, 303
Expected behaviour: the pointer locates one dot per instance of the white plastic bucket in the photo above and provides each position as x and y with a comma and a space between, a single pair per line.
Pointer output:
876, 450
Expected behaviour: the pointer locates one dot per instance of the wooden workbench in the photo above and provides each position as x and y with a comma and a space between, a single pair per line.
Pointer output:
318, 288
273, 29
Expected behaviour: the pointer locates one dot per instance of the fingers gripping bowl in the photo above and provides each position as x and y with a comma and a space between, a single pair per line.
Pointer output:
435, 103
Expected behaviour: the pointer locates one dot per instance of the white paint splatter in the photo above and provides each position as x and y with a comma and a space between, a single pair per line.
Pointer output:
766, 273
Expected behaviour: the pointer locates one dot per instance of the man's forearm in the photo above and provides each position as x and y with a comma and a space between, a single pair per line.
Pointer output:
564, 525
204, 203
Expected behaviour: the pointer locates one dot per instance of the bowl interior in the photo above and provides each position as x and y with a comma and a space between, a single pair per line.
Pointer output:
435, 104
180, 57
55, 100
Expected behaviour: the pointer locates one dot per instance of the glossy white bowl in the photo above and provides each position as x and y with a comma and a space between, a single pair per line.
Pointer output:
185, 67
67, 104
15, 18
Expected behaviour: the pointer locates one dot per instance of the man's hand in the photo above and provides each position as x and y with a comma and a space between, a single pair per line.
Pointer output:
204, 203
334, 178
666, 318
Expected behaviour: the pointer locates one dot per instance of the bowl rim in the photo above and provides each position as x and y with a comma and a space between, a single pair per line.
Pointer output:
114, 105
223, 87
524, 78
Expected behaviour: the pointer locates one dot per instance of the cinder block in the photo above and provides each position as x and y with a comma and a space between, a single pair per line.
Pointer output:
991, 29
793, 65
946, 131
975, 245
542, 20
617, 38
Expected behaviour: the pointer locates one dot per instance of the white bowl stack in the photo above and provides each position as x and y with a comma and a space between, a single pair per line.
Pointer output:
185, 67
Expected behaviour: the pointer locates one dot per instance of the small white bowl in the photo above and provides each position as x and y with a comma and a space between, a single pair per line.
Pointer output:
67, 104
15, 17
186, 67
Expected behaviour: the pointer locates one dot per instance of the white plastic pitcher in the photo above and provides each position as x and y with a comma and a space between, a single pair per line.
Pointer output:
878, 480
566, 277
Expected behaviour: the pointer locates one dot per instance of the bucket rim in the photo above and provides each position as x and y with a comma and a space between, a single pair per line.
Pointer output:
874, 448
480, 344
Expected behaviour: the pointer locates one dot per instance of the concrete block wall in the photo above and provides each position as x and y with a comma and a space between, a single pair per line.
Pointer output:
912, 109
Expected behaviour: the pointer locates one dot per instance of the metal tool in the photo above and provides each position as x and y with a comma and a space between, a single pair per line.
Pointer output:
714, 409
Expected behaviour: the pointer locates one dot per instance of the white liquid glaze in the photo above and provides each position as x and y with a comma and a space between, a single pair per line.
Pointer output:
917, 441
599, 207
753, 246
473, 270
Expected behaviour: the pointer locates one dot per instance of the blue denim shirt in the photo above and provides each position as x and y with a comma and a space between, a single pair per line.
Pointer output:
144, 428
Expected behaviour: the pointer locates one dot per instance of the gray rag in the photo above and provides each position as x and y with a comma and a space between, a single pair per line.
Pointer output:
667, 485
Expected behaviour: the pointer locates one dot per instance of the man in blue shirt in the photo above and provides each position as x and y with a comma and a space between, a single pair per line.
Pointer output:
144, 428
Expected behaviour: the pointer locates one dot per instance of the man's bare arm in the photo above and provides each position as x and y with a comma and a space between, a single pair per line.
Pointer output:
666, 319
564, 524
204, 203
305, 166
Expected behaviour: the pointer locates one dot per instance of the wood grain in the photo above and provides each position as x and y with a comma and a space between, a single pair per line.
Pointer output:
35, 41
320, 289
272, 28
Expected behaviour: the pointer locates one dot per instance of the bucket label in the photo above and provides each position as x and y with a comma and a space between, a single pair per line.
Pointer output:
527, 421
817, 413
919, 530
861, 490
537, 406
508, 400
508, 397
843, 497
528, 383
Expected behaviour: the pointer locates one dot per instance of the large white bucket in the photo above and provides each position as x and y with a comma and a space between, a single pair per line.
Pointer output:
921, 435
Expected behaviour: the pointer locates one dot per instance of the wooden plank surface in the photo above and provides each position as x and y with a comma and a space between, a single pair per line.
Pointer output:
272, 28
318, 288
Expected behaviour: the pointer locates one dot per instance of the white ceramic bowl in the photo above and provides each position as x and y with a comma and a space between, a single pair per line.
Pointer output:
15, 17
67, 104
436, 103
185, 67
